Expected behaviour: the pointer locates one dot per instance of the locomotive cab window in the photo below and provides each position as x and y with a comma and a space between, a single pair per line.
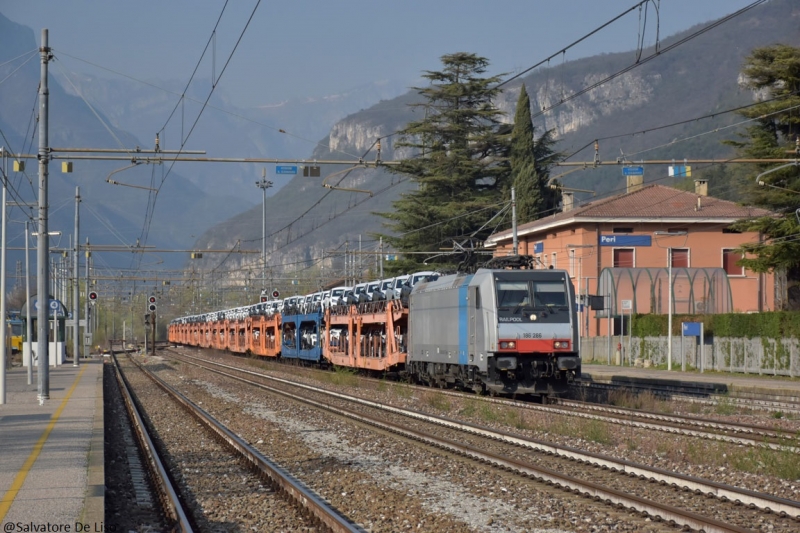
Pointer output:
511, 294
544, 299
549, 294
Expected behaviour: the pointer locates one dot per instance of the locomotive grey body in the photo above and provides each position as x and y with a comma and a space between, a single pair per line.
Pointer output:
502, 331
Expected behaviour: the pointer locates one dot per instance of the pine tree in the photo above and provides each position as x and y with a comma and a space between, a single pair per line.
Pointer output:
774, 70
460, 166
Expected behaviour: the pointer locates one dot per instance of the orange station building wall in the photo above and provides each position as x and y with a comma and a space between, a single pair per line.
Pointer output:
576, 249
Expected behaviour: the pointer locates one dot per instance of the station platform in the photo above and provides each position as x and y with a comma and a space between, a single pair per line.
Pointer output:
51, 456
778, 387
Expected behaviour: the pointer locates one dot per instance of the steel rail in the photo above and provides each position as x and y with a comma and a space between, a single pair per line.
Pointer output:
723, 492
168, 496
748, 429
277, 475
775, 439
703, 396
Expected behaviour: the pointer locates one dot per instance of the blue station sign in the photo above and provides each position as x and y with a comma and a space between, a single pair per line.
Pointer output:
286, 169
625, 240
633, 171
691, 329
538, 247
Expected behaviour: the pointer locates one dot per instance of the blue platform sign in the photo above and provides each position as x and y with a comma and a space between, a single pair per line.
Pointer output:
633, 171
691, 329
625, 240
286, 169
538, 247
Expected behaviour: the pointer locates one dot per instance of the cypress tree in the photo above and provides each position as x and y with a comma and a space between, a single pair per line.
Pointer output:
527, 183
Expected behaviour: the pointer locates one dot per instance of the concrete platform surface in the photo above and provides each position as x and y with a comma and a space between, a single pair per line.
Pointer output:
51, 455
713, 381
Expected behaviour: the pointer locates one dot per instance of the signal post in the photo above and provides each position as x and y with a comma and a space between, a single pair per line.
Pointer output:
150, 320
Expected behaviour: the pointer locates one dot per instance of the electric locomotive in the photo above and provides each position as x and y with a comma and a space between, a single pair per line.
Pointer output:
499, 331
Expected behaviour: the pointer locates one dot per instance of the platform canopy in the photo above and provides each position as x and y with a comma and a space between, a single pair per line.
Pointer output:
644, 290
54, 308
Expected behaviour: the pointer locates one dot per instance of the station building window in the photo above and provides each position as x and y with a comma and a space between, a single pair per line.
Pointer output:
679, 257
729, 259
624, 258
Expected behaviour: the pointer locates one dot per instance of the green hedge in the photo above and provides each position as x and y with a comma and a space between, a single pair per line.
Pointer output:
776, 325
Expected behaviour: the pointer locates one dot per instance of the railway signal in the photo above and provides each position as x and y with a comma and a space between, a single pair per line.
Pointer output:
151, 305
93, 296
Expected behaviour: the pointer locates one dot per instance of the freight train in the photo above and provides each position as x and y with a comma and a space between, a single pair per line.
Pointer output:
495, 331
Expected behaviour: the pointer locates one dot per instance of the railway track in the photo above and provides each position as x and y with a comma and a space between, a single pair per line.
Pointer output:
735, 433
733, 509
320, 515
708, 395
150, 475
751, 435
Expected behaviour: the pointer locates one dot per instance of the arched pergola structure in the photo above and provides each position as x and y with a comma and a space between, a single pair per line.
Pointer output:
694, 290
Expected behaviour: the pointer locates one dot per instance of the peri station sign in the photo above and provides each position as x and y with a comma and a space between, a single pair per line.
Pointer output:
625, 240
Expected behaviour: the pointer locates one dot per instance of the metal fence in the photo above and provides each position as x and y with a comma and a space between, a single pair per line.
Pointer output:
750, 356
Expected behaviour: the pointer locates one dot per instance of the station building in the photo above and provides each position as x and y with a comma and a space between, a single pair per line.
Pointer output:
621, 247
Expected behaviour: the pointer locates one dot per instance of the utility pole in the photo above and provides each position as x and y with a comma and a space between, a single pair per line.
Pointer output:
87, 329
264, 184
3, 354
515, 249
28, 313
76, 309
43, 244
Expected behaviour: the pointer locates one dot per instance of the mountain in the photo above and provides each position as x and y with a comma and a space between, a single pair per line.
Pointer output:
700, 77
92, 111
249, 133
110, 214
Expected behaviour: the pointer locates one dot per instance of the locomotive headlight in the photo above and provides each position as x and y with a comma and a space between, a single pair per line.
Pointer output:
508, 344
504, 345
512, 344
534, 317
561, 344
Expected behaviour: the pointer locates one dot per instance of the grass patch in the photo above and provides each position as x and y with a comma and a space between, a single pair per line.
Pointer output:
516, 418
342, 376
725, 406
487, 413
404, 391
779, 463
597, 431
437, 400
646, 401
470, 408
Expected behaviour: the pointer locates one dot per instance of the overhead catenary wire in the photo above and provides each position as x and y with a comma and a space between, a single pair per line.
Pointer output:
185, 97
154, 195
648, 58
678, 123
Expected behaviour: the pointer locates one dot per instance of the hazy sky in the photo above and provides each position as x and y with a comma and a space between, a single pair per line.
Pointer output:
309, 48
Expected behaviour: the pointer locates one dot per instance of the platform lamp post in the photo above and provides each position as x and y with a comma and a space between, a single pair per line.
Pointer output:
669, 288
572, 248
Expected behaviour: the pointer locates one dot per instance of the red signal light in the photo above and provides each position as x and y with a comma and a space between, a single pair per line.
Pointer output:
152, 299
92, 296
276, 294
